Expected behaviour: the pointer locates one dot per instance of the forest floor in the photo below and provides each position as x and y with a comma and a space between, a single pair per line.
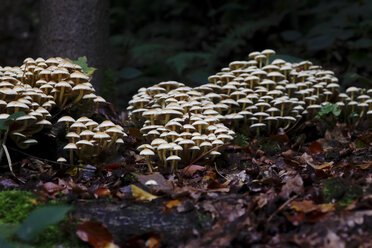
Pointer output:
311, 187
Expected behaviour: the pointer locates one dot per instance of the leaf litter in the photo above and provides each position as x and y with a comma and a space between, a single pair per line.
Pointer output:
278, 191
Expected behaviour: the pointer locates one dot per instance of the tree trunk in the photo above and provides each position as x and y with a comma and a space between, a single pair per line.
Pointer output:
75, 28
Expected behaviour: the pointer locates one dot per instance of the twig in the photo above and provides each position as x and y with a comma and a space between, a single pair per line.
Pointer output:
46, 160
281, 207
8, 158
205, 154
215, 167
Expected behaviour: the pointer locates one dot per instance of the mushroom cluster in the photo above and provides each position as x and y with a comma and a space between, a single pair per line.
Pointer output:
258, 95
178, 123
87, 139
356, 103
36, 88
267, 96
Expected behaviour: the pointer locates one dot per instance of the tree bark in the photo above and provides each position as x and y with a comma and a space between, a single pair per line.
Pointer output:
75, 28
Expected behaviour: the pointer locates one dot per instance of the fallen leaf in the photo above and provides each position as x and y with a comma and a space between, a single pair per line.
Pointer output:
308, 159
8, 183
96, 234
141, 195
101, 192
162, 183
365, 166
325, 165
52, 188
192, 169
172, 203
316, 148
153, 242
294, 184
305, 206
209, 176
326, 207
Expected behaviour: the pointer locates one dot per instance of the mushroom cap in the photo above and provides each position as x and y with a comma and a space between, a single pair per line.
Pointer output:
70, 146
66, 118
61, 160
147, 152
173, 158
81, 143
257, 125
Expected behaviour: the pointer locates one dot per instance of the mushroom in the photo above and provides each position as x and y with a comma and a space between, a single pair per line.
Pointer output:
147, 153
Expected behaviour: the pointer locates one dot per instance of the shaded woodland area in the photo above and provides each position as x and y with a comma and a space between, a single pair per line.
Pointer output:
174, 40
270, 167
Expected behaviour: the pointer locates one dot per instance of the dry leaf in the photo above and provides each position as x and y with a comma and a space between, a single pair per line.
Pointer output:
172, 204
192, 169
141, 195
52, 188
101, 191
325, 165
316, 148
305, 206
96, 234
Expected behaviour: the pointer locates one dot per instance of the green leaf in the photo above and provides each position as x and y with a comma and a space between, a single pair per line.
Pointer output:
4, 124
16, 115
129, 73
40, 219
329, 108
83, 63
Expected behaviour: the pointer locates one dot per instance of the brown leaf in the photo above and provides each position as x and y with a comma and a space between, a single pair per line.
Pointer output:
96, 234
365, 166
101, 192
305, 206
153, 242
308, 159
325, 165
316, 148
172, 203
294, 184
192, 169
162, 183
52, 188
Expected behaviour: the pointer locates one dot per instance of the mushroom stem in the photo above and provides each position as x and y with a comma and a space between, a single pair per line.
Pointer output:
71, 157
61, 95
149, 163
78, 98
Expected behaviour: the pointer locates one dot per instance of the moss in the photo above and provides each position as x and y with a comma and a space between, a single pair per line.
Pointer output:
341, 191
60, 234
16, 205
270, 147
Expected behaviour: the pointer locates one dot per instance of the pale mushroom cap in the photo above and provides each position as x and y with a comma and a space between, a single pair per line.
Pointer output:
147, 152
66, 119
173, 158
70, 146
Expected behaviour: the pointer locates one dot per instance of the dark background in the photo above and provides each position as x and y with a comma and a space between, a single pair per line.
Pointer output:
150, 41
